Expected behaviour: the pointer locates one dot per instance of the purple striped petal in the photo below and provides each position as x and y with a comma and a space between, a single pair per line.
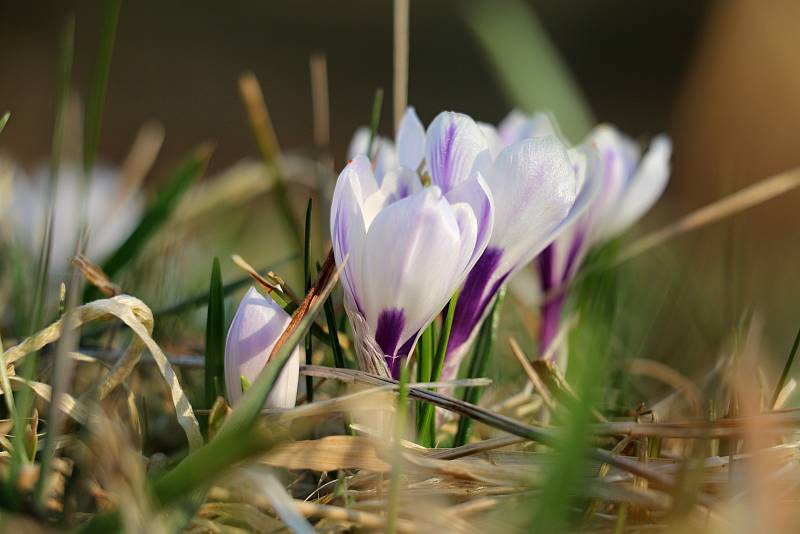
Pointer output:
455, 150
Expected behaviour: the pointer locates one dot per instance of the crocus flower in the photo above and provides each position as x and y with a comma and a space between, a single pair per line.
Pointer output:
534, 187
112, 212
407, 249
255, 329
629, 185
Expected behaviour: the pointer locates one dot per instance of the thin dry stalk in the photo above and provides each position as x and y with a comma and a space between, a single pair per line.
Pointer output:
319, 100
401, 16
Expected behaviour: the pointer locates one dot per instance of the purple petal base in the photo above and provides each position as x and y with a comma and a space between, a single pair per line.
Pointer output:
550, 322
475, 299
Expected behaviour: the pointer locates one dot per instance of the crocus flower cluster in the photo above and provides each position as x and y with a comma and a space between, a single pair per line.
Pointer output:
483, 217
255, 329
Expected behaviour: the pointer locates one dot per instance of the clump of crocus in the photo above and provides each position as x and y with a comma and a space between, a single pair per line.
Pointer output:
408, 247
629, 185
255, 329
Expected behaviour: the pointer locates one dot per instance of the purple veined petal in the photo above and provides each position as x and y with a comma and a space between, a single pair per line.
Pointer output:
619, 156
519, 125
415, 249
492, 139
534, 188
410, 141
644, 188
255, 329
478, 291
455, 150
476, 194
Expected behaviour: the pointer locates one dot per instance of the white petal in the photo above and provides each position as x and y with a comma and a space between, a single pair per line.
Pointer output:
383, 153
355, 185
455, 150
255, 329
410, 141
414, 257
358, 144
519, 125
399, 184
492, 139
475, 193
533, 186
644, 188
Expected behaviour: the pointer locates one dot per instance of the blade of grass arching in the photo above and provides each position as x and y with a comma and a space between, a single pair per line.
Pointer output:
532, 73
425, 430
159, 210
97, 91
234, 437
263, 131
4, 120
215, 338
374, 120
786, 368
477, 367
307, 281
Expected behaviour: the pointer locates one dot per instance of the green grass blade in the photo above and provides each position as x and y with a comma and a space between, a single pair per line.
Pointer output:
4, 120
97, 92
215, 338
158, 211
477, 367
786, 368
375, 119
530, 69
427, 436
309, 348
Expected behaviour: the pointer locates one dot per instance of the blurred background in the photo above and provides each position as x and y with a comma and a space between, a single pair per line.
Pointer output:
719, 77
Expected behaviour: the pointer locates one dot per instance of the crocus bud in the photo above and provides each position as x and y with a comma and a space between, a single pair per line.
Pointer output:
255, 329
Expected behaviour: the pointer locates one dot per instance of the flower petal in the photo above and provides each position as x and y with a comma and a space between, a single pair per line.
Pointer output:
410, 141
519, 125
644, 188
476, 194
455, 150
383, 152
415, 247
355, 185
534, 187
492, 138
255, 329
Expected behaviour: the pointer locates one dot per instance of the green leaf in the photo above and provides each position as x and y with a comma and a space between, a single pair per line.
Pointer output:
4, 120
97, 92
530, 69
309, 348
477, 367
215, 338
425, 429
375, 119
158, 211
